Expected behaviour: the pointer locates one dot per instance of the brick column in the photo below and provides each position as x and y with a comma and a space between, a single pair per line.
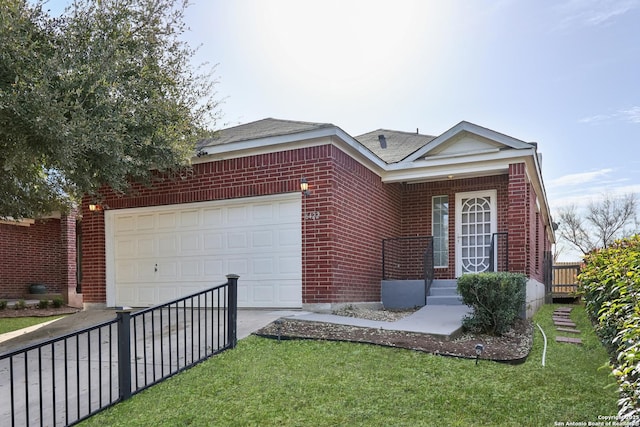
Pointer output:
518, 218
69, 259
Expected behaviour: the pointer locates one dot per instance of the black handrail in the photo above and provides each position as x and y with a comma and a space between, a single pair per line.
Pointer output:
429, 269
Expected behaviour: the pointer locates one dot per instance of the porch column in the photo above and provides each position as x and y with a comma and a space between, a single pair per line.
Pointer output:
517, 218
69, 259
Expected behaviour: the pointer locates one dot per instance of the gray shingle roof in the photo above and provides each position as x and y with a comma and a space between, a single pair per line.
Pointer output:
260, 129
399, 144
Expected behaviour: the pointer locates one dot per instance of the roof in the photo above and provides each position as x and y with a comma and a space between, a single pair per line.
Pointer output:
399, 145
264, 128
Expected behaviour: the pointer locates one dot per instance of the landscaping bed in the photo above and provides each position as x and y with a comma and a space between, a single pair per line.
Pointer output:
34, 311
513, 347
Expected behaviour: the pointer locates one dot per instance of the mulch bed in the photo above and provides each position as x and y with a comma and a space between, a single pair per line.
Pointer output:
513, 347
37, 312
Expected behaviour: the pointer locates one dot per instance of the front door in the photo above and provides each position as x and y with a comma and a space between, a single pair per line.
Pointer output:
475, 224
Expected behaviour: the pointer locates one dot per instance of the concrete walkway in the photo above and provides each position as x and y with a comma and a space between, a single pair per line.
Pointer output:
440, 320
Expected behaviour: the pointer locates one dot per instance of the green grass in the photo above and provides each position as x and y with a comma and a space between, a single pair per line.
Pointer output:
300, 383
10, 324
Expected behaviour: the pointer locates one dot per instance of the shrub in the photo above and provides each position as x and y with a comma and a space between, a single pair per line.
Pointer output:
610, 285
20, 305
3, 304
57, 302
44, 303
496, 298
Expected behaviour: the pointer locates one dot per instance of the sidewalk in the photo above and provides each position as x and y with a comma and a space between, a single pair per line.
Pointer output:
439, 320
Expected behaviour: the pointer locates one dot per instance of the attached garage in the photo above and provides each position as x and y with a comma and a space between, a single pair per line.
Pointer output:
156, 254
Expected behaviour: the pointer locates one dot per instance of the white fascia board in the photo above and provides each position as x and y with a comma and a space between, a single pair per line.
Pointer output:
331, 135
437, 173
473, 129
456, 161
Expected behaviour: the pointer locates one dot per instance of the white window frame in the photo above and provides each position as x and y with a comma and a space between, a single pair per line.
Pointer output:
445, 227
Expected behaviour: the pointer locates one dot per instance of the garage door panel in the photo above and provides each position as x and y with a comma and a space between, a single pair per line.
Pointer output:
239, 266
262, 239
168, 271
212, 217
190, 243
236, 215
167, 245
263, 293
214, 268
145, 247
213, 241
237, 240
263, 265
167, 220
190, 269
166, 252
190, 219
287, 290
145, 222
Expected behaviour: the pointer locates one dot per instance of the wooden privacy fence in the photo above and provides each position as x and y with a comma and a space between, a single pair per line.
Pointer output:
565, 279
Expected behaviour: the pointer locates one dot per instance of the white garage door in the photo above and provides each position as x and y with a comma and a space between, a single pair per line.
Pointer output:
158, 254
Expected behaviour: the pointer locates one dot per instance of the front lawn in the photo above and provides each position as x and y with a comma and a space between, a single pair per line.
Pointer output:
298, 383
10, 324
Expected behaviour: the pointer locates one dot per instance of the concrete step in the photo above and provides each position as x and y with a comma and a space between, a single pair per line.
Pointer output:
444, 300
444, 283
441, 291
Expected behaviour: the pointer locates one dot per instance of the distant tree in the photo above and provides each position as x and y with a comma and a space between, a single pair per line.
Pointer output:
97, 96
603, 221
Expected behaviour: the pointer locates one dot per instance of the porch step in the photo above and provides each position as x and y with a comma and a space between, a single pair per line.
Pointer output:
444, 292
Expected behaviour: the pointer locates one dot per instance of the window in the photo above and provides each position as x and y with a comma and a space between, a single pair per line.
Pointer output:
440, 230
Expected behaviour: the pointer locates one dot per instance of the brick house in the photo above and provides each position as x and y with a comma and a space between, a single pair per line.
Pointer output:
39, 251
240, 209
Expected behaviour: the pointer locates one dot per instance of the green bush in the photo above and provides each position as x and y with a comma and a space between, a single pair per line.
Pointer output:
3, 304
20, 305
43, 303
496, 298
610, 285
57, 302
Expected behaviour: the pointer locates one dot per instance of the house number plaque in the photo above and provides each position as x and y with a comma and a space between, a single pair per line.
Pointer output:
312, 215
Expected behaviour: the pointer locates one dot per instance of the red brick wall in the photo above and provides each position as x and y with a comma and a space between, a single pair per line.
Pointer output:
365, 211
519, 219
345, 218
416, 209
335, 181
32, 254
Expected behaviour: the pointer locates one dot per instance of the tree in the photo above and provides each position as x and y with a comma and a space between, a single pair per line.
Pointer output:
96, 97
602, 223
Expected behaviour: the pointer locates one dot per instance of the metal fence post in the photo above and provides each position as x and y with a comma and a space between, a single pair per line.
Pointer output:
232, 309
124, 354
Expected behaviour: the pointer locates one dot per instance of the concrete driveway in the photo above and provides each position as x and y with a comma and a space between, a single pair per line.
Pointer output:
85, 369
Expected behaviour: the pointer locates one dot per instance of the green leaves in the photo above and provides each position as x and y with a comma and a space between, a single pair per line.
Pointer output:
496, 299
610, 285
95, 98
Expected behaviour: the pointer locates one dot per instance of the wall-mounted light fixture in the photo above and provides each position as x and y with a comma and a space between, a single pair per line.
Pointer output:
95, 208
304, 187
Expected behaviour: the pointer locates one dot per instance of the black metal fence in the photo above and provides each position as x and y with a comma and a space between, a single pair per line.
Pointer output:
67, 379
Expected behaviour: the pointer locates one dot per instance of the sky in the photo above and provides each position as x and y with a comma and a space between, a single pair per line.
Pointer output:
562, 73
